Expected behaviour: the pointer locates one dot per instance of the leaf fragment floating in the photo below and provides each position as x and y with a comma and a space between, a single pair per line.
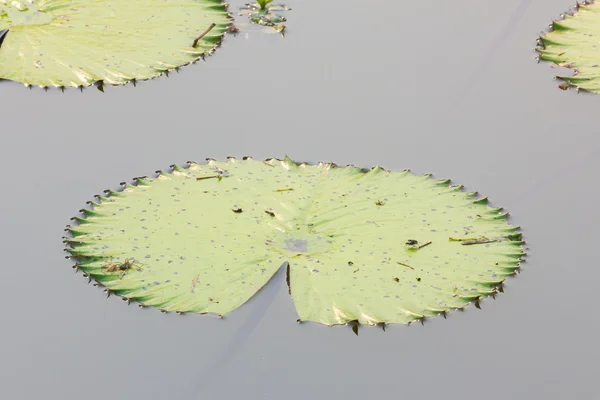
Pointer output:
263, 12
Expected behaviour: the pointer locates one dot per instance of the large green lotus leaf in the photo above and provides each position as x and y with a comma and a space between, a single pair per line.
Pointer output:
573, 43
79, 42
368, 246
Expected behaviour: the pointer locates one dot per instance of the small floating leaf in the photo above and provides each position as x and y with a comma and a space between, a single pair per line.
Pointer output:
264, 13
61, 43
182, 244
573, 43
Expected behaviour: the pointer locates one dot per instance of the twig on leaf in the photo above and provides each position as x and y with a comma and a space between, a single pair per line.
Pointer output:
200, 36
425, 244
404, 265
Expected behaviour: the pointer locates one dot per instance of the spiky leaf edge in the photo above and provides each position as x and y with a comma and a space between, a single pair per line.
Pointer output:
542, 41
217, 41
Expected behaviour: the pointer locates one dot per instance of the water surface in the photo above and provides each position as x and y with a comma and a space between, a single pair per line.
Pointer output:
451, 89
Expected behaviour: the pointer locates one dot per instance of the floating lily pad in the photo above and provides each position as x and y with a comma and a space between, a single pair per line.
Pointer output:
266, 14
61, 43
363, 246
573, 43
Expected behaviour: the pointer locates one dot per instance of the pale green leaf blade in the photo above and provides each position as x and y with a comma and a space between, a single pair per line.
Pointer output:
61, 43
368, 246
370, 275
185, 263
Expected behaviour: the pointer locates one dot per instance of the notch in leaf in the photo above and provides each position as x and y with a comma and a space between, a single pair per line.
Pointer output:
3, 34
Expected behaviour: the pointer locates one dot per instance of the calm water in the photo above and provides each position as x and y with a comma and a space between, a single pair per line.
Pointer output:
404, 84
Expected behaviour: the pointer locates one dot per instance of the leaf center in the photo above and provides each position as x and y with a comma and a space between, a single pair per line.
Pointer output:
298, 243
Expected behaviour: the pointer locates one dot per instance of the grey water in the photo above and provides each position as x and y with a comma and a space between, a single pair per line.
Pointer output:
450, 88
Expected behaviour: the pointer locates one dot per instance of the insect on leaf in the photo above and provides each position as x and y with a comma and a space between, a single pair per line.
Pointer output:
573, 43
370, 246
61, 43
